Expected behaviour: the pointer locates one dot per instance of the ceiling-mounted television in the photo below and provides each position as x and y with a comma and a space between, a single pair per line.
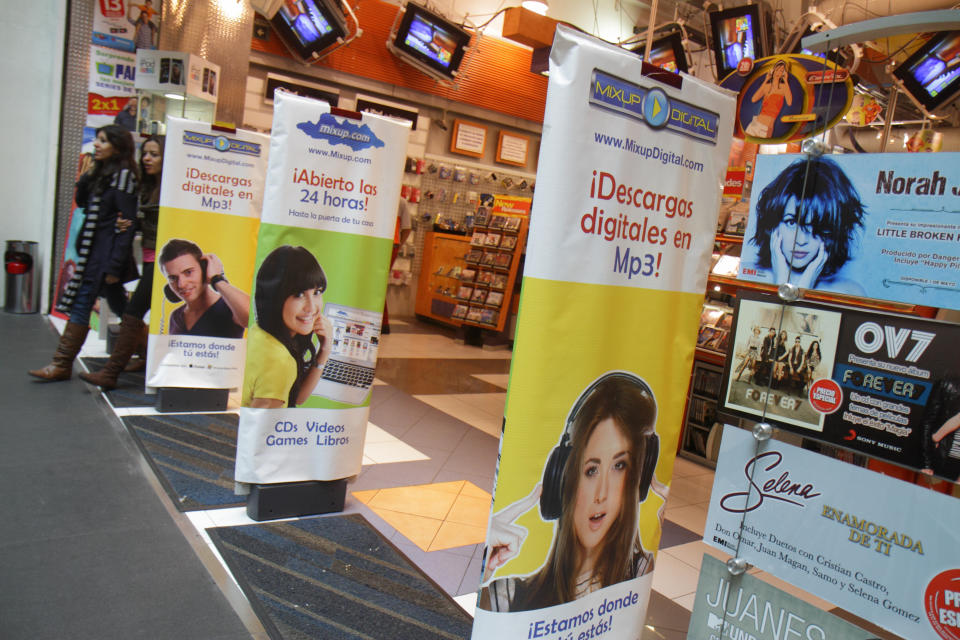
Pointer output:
431, 40
308, 27
738, 33
666, 52
932, 74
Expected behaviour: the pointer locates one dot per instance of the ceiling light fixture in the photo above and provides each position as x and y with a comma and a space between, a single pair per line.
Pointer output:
537, 6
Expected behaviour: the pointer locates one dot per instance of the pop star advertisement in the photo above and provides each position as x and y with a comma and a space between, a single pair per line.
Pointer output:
210, 203
878, 225
881, 548
875, 383
778, 352
619, 247
745, 607
323, 257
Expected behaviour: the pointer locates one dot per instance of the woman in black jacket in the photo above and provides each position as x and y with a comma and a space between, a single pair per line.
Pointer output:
107, 191
132, 328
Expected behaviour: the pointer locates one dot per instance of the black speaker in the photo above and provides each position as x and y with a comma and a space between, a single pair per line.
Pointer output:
551, 496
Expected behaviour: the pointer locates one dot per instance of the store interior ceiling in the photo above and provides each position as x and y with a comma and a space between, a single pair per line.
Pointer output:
621, 21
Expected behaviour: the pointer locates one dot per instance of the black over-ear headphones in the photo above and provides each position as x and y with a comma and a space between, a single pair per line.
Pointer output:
551, 496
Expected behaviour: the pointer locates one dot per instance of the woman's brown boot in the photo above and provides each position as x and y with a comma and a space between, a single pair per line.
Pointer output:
61, 368
139, 360
131, 329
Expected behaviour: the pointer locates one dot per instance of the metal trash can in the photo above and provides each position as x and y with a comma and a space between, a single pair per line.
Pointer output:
22, 283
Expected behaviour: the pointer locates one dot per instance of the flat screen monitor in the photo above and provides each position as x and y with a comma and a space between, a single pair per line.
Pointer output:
738, 33
666, 52
308, 27
932, 73
431, 40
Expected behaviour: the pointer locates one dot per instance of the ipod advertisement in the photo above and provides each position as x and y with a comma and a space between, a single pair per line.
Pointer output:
880, 384
604, 343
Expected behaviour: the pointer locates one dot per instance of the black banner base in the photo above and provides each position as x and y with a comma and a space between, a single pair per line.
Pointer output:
180, 399
290, 499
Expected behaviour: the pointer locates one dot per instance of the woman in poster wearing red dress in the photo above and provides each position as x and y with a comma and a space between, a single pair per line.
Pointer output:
774, 91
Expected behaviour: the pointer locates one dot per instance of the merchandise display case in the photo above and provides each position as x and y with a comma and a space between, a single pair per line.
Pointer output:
172, 83
700, 440
470, 279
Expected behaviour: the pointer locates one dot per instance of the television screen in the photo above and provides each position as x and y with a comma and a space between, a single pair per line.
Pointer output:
932, 73
309, 26
738, 33
667, 53
431, 39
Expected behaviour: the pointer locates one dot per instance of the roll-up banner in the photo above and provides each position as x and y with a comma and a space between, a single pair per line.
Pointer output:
879, 225
629, 181
323, 256
210, 202
883, 549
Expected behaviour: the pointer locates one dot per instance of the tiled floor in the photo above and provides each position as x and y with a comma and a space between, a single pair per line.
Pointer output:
428, 467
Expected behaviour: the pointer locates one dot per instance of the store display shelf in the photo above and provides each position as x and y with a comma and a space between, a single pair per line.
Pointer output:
726, 238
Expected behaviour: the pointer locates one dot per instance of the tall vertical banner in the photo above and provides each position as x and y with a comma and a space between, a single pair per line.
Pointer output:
323, 256
629, 181
210, 202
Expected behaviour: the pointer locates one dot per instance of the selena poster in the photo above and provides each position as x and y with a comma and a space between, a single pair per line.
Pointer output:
629, 180
210, 202
875, 383
881, 548
320, 279
879, 225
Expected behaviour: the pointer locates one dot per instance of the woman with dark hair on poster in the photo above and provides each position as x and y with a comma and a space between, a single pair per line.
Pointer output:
594, 482
810, 363
107, 191
807, 221
292, 339
133, 331
775, 92
781, 366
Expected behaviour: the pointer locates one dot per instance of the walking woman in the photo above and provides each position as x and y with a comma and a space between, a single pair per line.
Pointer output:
132, 328
107, 191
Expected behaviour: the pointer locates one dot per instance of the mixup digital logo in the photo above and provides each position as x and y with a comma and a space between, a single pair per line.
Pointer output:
222, 144
653, 106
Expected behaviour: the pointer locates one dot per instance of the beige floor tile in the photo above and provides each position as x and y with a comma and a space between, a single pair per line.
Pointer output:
470, 510
417, 345
498, 379
693, 517
673, 578
692, 553
455, 534
492, 403
417, 529
686, 491
470, 489
384, 452
453, 405
420, 500
687, 601
365, 496
683, 468
455, 487
376, 434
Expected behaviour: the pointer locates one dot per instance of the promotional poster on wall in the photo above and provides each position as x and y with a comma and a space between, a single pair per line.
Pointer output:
879, 225
127, 25
323, 256
595, 396
210, 203
816, 522
746, 607
875, 383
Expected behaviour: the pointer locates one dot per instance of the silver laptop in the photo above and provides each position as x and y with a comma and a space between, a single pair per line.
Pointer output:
348, 372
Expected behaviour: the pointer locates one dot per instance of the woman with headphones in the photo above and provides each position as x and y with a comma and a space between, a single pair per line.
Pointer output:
593, 484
